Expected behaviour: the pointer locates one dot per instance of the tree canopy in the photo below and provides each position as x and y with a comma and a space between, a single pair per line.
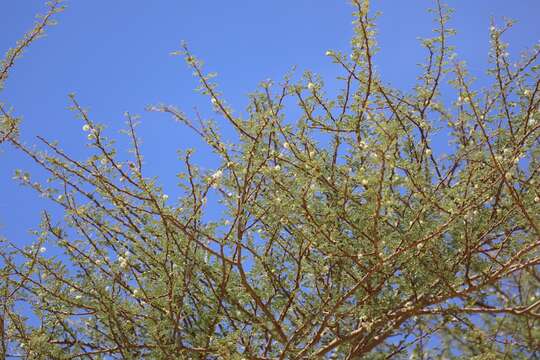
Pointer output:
344, 232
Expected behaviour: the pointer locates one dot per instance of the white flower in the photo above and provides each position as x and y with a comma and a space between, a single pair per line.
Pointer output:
537, 199
60, 197
78, 297
532, 121
217, 175
277, 167
526, 92
492, 28
428, 152
103, 161
329, 53
164, 197
86, 127
214, 101
310, 86
122, 260
136, 293
42, 249
286, 145
365, 182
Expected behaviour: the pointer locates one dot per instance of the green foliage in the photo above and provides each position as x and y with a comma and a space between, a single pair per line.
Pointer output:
8, 123
344, 234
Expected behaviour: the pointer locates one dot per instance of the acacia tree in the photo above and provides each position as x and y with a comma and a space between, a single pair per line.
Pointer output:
343, 233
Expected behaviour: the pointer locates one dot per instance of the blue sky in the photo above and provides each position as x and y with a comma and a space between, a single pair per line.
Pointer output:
115, 56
